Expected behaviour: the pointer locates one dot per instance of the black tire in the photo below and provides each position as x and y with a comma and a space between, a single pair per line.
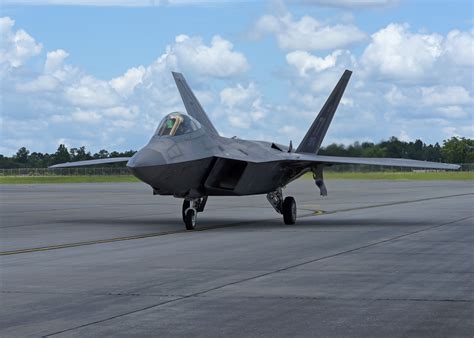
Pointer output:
289, 210
190, 219
186, 205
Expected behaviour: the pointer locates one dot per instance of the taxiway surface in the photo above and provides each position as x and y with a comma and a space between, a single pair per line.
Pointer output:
375, 258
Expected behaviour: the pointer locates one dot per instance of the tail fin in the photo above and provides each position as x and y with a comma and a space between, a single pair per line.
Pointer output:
315, 135
193, 107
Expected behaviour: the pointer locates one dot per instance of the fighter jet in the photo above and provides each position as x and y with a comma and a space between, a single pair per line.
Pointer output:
188, 159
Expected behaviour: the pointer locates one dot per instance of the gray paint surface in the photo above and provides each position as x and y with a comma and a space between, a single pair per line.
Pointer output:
387, 259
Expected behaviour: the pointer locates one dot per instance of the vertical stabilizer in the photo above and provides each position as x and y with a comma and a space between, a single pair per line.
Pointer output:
315, 135
191, 103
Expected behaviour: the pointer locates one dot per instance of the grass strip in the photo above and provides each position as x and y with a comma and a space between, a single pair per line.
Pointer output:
418, 176
67, 179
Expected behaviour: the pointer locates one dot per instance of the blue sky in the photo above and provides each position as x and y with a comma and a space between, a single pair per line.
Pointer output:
99, 75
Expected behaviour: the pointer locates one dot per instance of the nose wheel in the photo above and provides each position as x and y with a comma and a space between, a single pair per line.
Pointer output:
190, 210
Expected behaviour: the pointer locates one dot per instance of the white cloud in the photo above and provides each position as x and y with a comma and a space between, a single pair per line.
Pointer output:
55, 61
452, 112
397, 53
218, 59
395, 97
403, 136
433, 96
41, 83
69, 99
307, 33
91, 92
238, 95
403, 81
85, 116
112, 3
125, 83
123, 111
319, 74
305, 62
348, 3
445, 95
465, 131
459, 46
242, 105
238, 121
289, 130
17, 46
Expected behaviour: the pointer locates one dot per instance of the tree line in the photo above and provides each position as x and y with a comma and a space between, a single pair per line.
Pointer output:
24, 159
453, 150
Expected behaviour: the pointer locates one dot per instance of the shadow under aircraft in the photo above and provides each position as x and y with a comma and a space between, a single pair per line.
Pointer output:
188, 159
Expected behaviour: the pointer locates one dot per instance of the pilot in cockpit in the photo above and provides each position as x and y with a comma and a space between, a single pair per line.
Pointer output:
177, 124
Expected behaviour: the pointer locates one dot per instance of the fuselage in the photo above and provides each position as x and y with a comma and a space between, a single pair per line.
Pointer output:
197, 164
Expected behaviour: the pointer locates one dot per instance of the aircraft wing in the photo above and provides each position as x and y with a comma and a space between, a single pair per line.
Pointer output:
390, 162
90, 162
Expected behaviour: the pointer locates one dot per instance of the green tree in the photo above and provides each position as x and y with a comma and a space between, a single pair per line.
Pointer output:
432, 153
22, 155
35, 160
393, 147
333, 149
374, 151
101, 154
80, 154
61, 155
458, 150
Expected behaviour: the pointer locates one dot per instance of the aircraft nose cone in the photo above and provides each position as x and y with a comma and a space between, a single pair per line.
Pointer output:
146, 158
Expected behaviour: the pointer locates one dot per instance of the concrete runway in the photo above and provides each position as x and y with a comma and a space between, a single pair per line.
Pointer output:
374, 258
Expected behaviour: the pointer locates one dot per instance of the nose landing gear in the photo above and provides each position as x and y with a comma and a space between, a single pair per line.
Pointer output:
286, 207
190, 210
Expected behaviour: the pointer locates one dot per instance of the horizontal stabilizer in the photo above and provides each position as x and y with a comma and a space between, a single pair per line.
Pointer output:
90, 162
315, 135
191, 103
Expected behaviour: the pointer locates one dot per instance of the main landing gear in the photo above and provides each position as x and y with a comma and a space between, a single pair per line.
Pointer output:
286, 207
191, 207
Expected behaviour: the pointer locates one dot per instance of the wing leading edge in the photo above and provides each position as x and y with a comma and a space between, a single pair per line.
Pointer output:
390, 162
90, 162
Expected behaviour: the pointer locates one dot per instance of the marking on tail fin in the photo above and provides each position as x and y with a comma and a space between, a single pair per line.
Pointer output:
315, 135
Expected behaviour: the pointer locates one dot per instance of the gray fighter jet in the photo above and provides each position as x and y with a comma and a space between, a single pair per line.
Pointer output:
188, 159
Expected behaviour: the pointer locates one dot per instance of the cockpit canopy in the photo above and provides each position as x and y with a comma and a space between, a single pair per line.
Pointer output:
175, 124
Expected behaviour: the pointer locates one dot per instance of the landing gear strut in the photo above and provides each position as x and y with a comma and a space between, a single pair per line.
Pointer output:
286, 207
191, 207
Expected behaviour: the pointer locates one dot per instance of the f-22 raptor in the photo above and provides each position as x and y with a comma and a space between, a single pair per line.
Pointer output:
187, 158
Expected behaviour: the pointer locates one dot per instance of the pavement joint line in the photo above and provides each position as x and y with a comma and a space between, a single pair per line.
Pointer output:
121, 294
118, 218
125, 294
118, 206
135, 216
199, 293
127, 238
396, 203
172, 232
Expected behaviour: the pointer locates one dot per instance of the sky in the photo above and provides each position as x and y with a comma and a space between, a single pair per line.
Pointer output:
97, 73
